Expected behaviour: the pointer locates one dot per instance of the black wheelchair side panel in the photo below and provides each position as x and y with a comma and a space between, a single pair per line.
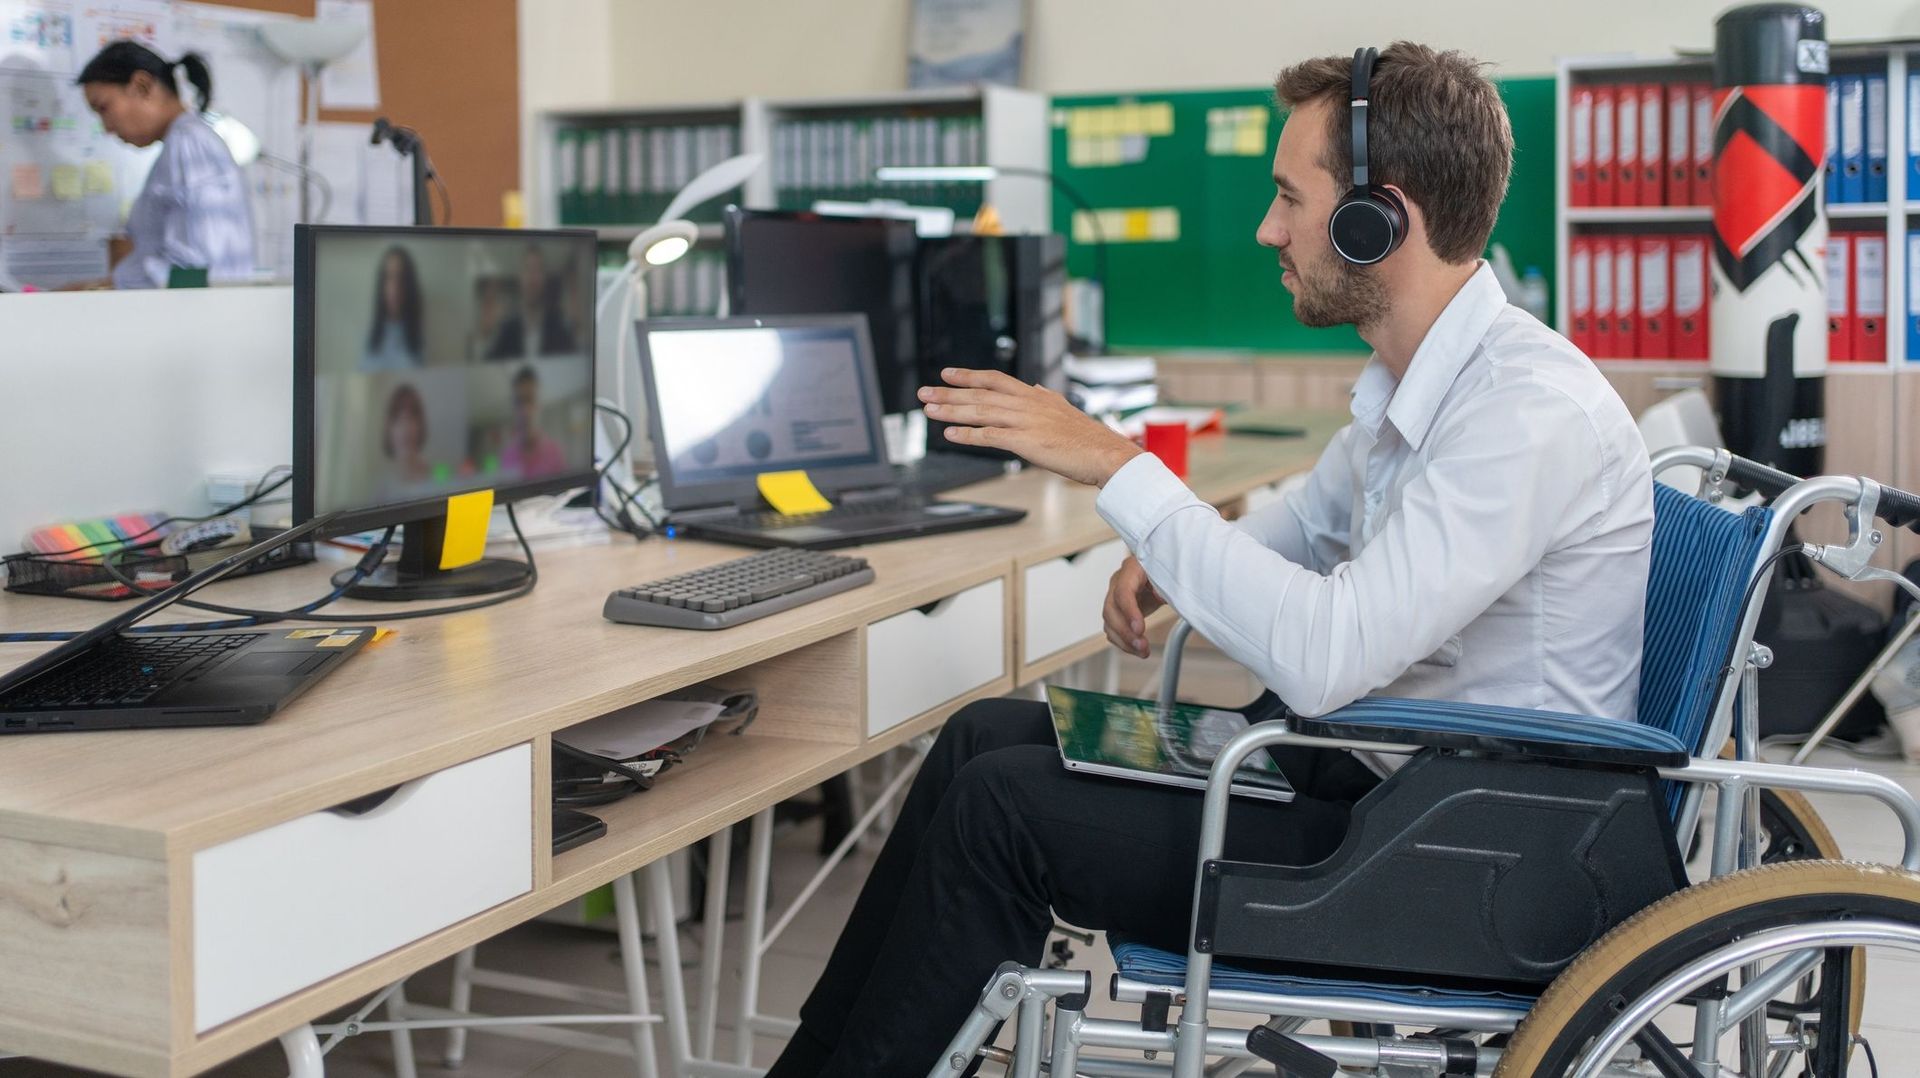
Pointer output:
1483, 868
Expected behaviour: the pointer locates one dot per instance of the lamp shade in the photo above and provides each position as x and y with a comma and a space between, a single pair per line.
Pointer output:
660, 244
310, 42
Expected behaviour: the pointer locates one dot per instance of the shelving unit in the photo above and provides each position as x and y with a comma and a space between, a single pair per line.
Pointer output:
1896, 215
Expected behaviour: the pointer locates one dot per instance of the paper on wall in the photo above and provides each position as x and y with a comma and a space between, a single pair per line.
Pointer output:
353, 81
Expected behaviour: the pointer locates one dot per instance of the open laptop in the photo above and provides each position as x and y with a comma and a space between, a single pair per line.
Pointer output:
1121, 737
731, 399
108, 678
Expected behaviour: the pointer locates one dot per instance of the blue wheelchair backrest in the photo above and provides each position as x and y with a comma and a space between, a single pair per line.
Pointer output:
1703, 559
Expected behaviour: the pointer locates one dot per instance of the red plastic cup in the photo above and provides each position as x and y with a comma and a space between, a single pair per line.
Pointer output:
1168, 441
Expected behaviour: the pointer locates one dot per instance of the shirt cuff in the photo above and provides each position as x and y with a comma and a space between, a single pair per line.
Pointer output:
1139, 496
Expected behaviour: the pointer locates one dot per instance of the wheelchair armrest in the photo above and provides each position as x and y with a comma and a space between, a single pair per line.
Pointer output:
1579, 739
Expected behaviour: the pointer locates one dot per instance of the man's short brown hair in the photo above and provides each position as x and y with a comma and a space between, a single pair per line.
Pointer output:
1436, 129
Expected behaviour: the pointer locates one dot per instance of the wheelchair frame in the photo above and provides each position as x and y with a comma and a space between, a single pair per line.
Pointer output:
1024, 993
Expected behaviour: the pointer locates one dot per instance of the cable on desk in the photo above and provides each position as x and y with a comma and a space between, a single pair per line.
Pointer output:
261, 490
620, 521
246, 616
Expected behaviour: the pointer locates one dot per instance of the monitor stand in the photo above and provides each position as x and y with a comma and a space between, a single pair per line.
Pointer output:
416, 574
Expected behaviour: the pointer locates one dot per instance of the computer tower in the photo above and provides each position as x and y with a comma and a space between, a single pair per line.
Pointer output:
992, 303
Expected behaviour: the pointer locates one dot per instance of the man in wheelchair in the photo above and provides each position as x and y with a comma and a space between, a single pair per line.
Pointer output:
1479, 532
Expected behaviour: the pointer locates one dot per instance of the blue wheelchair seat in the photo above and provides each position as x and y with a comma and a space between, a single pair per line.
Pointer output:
1151, 965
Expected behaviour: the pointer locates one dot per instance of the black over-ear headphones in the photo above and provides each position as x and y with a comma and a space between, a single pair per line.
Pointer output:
1371, 221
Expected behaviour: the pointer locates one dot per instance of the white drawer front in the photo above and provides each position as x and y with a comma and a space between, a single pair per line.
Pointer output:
917, 660
1064, 597
284, 908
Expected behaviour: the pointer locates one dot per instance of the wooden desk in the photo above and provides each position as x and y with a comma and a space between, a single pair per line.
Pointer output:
100, 832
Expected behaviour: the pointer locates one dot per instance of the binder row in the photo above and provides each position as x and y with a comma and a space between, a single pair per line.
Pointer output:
1857, 297
1856, 165
1639, 297
627, 175
816, 160
1640, 144
691, 286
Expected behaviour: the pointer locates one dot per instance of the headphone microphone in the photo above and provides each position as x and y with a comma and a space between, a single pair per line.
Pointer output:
1370, 222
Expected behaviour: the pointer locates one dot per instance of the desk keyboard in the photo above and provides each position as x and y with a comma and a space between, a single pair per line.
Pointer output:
738, 591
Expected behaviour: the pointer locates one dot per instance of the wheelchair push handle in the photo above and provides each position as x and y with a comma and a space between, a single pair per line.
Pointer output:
1897, 507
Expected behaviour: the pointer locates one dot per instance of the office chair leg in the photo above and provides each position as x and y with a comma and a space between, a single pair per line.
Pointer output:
459, 998
633, 966
303, 1053
403, 1065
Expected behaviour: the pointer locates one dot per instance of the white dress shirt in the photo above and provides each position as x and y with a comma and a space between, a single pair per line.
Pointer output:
191, 212
1479, 532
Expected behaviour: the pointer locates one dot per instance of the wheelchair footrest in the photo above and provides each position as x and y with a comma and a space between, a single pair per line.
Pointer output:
1295, 1060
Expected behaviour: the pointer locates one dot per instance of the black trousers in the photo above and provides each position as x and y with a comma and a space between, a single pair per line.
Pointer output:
994, 839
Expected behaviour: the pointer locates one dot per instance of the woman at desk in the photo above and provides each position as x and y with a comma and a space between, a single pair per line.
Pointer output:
192, 212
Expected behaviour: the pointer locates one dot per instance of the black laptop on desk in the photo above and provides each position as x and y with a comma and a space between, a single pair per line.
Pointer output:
731, 399
109, 678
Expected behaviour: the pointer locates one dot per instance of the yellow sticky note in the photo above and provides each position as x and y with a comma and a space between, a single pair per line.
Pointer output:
466, 540
99, 178
1138, 225
792, 492
66, 182
1159, 118
1250, 142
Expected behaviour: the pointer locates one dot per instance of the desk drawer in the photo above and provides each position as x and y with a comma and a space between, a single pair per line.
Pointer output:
1063, 598
923, 658
284, 908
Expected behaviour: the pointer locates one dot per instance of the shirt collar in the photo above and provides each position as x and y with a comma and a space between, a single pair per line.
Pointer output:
1450, 342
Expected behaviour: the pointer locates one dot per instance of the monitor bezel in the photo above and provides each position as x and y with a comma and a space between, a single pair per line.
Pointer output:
305, 399
745, 491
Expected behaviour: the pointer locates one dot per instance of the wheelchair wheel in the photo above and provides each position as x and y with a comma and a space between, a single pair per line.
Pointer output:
1626, 964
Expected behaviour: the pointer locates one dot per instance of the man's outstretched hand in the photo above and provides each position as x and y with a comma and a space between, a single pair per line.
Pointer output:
990, 408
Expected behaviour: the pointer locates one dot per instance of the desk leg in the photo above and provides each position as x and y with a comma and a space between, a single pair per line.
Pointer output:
759, 882
303, 1053
673, 988
713, 936
460, 998
626, 909
403, 1066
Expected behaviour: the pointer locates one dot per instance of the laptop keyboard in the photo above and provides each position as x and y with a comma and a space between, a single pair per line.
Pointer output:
124, 671
844, 513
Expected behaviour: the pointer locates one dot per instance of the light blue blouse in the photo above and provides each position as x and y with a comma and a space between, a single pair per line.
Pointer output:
193, 211
392, 354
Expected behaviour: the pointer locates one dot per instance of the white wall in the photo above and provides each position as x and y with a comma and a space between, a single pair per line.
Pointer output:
125, 401
653, 51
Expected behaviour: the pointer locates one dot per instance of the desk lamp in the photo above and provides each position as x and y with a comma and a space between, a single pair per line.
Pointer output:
312, 46
988, 173
659, 244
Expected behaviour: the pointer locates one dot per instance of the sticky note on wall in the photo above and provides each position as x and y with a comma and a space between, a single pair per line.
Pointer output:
466, 539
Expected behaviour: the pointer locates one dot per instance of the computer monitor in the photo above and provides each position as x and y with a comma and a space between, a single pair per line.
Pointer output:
729, 399
432, 362
804, 263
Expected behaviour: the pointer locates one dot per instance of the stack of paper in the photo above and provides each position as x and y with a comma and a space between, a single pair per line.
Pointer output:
1103, 384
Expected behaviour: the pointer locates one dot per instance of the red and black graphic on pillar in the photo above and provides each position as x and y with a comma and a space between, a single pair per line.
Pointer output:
1767, 146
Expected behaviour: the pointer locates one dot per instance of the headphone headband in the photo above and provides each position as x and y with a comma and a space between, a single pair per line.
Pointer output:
1363, 60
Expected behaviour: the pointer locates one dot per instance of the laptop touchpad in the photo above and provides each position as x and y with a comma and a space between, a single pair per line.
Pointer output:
274, 664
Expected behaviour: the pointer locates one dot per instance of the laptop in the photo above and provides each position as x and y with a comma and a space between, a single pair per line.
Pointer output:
108, 678
731, 399
1121, 737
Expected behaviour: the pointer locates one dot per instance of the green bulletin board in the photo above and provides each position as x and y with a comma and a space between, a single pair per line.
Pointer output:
1210, 285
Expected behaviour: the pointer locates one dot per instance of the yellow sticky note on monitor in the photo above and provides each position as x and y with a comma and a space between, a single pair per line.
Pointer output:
467, 518
792, 492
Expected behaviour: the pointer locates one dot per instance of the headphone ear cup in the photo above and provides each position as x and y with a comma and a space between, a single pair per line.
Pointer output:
1367, 226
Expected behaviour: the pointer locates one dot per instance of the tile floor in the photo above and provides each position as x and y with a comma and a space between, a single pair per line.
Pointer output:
589, 956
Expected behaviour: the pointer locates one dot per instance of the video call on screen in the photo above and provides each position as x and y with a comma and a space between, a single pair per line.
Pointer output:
449, 363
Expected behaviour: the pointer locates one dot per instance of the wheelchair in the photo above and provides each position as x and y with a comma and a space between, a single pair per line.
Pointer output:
1512, 901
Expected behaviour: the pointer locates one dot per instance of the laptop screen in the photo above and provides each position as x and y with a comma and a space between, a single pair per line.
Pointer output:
736, 398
